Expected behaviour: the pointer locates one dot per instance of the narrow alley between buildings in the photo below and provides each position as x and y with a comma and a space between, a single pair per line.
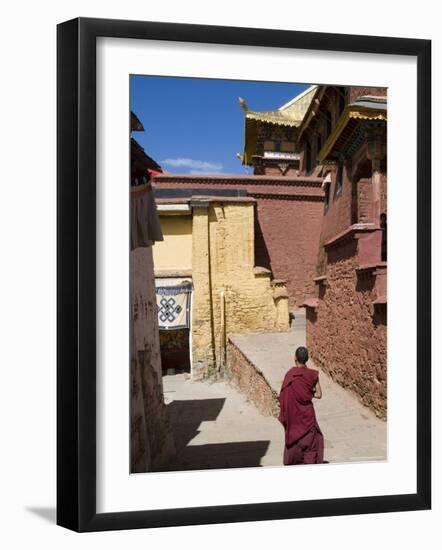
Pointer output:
216, 425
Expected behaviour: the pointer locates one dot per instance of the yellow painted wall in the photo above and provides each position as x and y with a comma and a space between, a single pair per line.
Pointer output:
217, 244
223, 261
175, 252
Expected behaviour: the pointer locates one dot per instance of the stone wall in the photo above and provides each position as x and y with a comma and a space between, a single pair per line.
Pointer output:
287, 222
251, 382
151, 439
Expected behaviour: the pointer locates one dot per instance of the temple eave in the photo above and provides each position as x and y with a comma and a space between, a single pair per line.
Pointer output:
270, 118
349, 115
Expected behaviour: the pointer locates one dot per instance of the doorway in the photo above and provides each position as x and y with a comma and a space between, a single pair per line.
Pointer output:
174, 299
175, 351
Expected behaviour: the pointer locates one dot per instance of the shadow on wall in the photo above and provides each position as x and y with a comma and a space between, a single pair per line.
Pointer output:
185, 418
262, 256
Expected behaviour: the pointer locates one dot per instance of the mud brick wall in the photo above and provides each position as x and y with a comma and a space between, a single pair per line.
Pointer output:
338, 215
346, 321
365, 201
250, 381
291, 171
151, 438
347, 333
290, 231
384, 193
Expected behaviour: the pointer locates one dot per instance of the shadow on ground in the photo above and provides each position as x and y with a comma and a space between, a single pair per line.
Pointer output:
185, 418
46, 513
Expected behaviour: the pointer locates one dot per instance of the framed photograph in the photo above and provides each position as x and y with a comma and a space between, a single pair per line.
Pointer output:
224, 273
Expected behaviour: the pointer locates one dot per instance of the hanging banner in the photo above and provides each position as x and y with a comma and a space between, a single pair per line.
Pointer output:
173, 304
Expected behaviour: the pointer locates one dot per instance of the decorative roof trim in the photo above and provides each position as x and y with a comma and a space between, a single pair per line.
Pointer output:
288, 196
234, 179
280, 116
273, 117
352, 111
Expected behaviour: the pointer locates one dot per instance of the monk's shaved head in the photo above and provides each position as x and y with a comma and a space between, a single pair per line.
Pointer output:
301, 355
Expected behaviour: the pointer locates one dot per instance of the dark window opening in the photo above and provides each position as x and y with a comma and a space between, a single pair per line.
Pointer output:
354, 201
319, 143
327, 197
339, 181
308, 157
383, 224
175, 351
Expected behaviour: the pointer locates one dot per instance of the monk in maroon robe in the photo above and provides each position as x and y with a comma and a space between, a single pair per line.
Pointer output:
304, 442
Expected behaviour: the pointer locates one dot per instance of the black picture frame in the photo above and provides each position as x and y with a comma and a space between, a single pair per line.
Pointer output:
76, 274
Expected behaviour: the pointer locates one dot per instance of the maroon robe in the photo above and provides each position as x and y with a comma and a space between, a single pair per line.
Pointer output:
304, 443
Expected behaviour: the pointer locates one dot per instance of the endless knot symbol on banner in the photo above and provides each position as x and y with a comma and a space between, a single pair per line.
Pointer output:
168, 310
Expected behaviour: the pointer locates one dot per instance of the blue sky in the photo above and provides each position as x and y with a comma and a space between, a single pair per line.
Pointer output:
196, 125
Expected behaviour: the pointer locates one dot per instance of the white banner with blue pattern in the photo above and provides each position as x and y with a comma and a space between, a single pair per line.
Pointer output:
173, 304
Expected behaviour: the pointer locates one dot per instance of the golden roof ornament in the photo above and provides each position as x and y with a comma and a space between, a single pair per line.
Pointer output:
243, 103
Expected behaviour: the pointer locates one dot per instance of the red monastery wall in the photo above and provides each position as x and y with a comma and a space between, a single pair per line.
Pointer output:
291, 235
346, 332
288, 223
346, 314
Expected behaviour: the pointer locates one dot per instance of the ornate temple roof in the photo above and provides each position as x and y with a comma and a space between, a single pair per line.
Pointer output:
290, 114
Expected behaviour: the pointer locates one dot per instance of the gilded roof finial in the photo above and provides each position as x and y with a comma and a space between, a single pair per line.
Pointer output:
243, 103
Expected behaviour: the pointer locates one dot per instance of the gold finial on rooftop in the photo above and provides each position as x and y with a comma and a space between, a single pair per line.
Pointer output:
243, 103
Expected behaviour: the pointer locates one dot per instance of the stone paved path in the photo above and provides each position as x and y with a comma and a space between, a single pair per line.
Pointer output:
216, 427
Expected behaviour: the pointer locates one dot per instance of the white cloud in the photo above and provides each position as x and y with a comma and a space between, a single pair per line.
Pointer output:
197, 166
204, 172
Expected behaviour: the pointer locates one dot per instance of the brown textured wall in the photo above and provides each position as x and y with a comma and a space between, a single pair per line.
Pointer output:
384, 193
346, 320
244, 375
291, 171
151, 438
338, 216
346, 334
291, 235
365, 202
